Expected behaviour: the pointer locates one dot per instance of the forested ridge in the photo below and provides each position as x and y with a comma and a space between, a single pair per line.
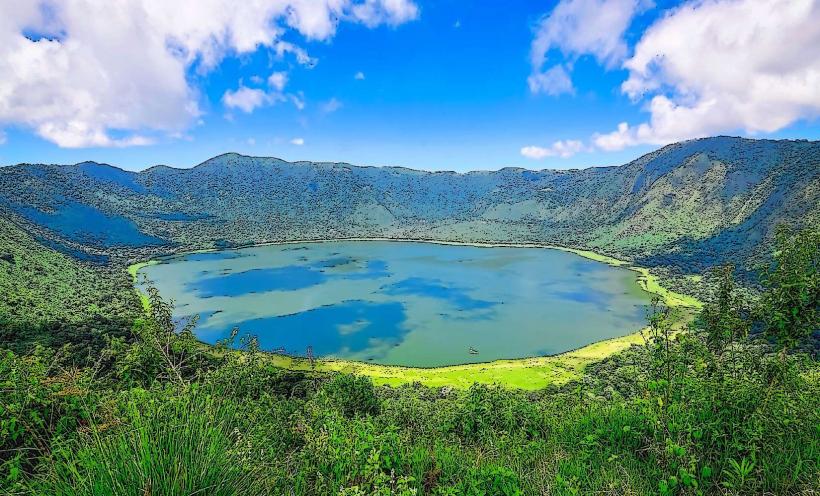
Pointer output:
685, 207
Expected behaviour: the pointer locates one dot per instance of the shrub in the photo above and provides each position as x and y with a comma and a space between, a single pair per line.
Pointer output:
352, 395
41, 405
490, 480
790, 306
488, 410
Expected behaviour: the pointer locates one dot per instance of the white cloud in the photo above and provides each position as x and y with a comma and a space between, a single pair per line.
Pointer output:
563, 149
283, 48
114, 73
2, 137
331, 106
553, 81
392, 12
297, 141
251, 141
359, 76
717, 66
278, 80
246, 99
298, 100
616, 140
576, 28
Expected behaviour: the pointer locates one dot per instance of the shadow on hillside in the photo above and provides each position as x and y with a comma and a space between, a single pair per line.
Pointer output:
86, 338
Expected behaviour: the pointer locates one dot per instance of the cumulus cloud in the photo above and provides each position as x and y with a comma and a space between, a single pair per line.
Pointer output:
391, 12
84, 73
283, 48
562, 149
580, 27
297, 141
719, 66
278, 80
554, 81
246, 99
359, 76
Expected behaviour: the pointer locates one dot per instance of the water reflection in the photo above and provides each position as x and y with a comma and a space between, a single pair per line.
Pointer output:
412, 304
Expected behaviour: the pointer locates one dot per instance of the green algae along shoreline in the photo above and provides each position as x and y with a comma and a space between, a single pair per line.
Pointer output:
521, 373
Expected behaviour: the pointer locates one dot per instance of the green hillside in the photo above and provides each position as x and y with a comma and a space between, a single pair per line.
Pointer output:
53, 299
687, 206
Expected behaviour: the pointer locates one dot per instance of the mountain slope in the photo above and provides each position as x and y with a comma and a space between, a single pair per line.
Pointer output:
688, 205
53, 299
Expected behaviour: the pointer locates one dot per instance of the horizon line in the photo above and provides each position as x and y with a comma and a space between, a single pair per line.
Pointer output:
429, 171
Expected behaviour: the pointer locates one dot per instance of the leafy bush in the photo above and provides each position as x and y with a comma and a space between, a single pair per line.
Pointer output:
42, 405
489, 480
352, 395
790, 307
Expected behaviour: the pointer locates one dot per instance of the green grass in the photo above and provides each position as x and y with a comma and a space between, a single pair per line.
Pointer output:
181, 447
527, 373
133, 271
650, 283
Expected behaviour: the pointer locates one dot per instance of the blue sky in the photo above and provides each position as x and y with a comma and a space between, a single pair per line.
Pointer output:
451, 84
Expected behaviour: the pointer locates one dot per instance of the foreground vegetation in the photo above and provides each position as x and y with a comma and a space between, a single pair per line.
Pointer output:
731, 406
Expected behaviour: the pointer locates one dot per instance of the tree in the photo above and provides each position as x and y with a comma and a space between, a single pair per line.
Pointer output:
789, 305
723, 320
163, 349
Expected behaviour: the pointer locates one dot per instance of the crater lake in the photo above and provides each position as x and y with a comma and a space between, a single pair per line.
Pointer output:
402, 303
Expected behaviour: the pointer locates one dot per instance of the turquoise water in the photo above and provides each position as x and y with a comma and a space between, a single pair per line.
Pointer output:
403, 303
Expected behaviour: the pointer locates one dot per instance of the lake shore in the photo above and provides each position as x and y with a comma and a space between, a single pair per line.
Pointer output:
521, 373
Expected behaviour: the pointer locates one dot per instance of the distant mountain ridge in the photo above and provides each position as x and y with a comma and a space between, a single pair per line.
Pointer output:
687, 206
